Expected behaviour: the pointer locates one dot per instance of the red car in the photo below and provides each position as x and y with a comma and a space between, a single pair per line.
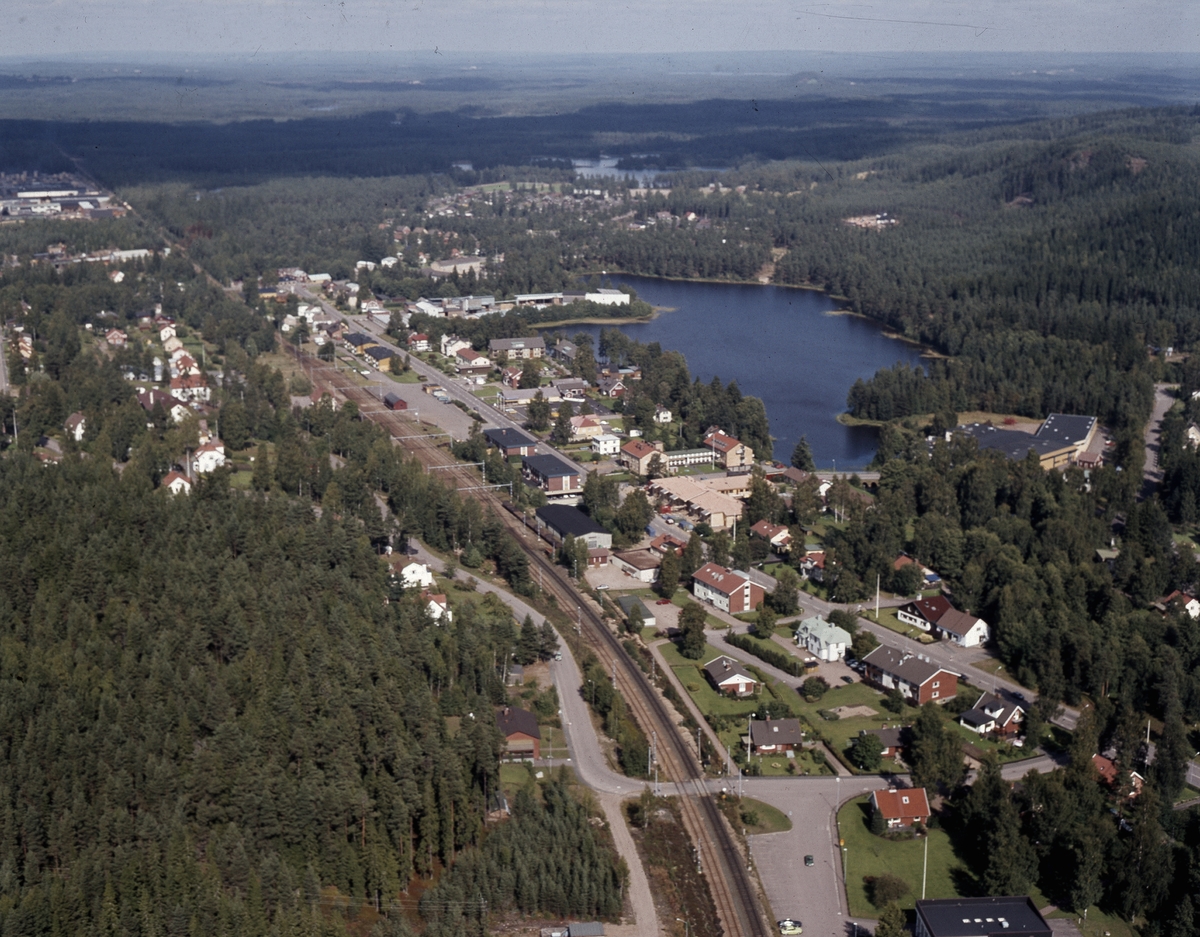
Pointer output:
663, 602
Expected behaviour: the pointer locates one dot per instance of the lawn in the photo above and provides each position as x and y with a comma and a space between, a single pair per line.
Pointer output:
766, 819
866, 854
887, 618
710, 702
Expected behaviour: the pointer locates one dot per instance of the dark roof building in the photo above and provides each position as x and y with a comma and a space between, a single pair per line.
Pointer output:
562, 520
979, 917
551, 474
520, 728
510, 441
774, 735
915, 676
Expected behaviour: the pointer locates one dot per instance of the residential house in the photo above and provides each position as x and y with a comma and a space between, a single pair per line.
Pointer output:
642, 565
636, 455
208, 457
451, 344
571, 388
177, 483
551, 474
730, 677
561, 521
729, 590
636, 613
777, 536
662, 415
116, 337
1193, 436
822, 639
437, 607
534, 347
469, 360
418, 341
171, 345
167, 331
610, 387
605, 445
522, 398
891, 741
585, 427
664, 542
415, 575
358, 342
379, 355
929, 577
901, 807
813, 565
916, 677
76, 426
980, 917
511, 442
511, 376
190, 387
935, 614
522, 737
728, 451
1179, 600
993, 715
1110, 776
175, 408
772, 736
565, 352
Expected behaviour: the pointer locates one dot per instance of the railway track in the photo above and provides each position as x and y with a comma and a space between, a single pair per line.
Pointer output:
721, 860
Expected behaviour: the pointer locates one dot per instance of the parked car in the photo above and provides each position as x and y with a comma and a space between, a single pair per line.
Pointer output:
788, 926
808, 860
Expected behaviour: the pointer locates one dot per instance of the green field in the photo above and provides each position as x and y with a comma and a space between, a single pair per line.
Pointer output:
769, 819
866, 854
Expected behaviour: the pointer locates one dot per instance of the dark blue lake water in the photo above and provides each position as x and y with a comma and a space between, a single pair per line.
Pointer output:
781, 345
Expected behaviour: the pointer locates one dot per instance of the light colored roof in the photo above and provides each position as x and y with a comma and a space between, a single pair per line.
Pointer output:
825, 633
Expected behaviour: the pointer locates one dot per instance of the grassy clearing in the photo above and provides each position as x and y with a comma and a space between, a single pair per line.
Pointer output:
866, 854
762, 818
887, 618
1098, 924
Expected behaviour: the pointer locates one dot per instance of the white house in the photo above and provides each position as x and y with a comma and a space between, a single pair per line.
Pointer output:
437, 607
662, 415
209, 457
606, 444
416, 574
77, 426
167, 331
176, 483
452, 344
823, 640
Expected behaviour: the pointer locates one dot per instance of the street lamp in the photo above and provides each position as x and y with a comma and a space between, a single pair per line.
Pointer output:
685, 926
593, 683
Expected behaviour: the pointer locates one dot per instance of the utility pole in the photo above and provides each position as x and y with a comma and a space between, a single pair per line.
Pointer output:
925, 867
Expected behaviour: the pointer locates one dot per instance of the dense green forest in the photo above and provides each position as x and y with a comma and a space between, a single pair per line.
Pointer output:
221, 714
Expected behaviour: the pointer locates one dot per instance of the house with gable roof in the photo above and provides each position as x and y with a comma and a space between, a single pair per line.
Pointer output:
822, 639
727, 451
730, 590
935, 614
730, 677
916, 677
993, 715
901, 806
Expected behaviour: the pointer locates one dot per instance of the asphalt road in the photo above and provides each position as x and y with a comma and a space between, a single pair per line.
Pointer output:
3, 363
1152, 475
457, 390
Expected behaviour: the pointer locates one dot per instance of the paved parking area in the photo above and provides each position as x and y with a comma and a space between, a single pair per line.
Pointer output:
812, 894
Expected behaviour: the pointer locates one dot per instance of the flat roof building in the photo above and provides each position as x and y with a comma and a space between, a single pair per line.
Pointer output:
979, 917
562, 520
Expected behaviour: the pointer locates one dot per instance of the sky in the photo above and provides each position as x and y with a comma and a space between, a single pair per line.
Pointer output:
240, 29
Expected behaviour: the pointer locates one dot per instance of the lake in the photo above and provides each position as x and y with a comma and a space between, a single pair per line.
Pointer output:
782, 345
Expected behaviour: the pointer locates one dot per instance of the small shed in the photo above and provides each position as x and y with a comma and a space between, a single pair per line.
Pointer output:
395, 402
